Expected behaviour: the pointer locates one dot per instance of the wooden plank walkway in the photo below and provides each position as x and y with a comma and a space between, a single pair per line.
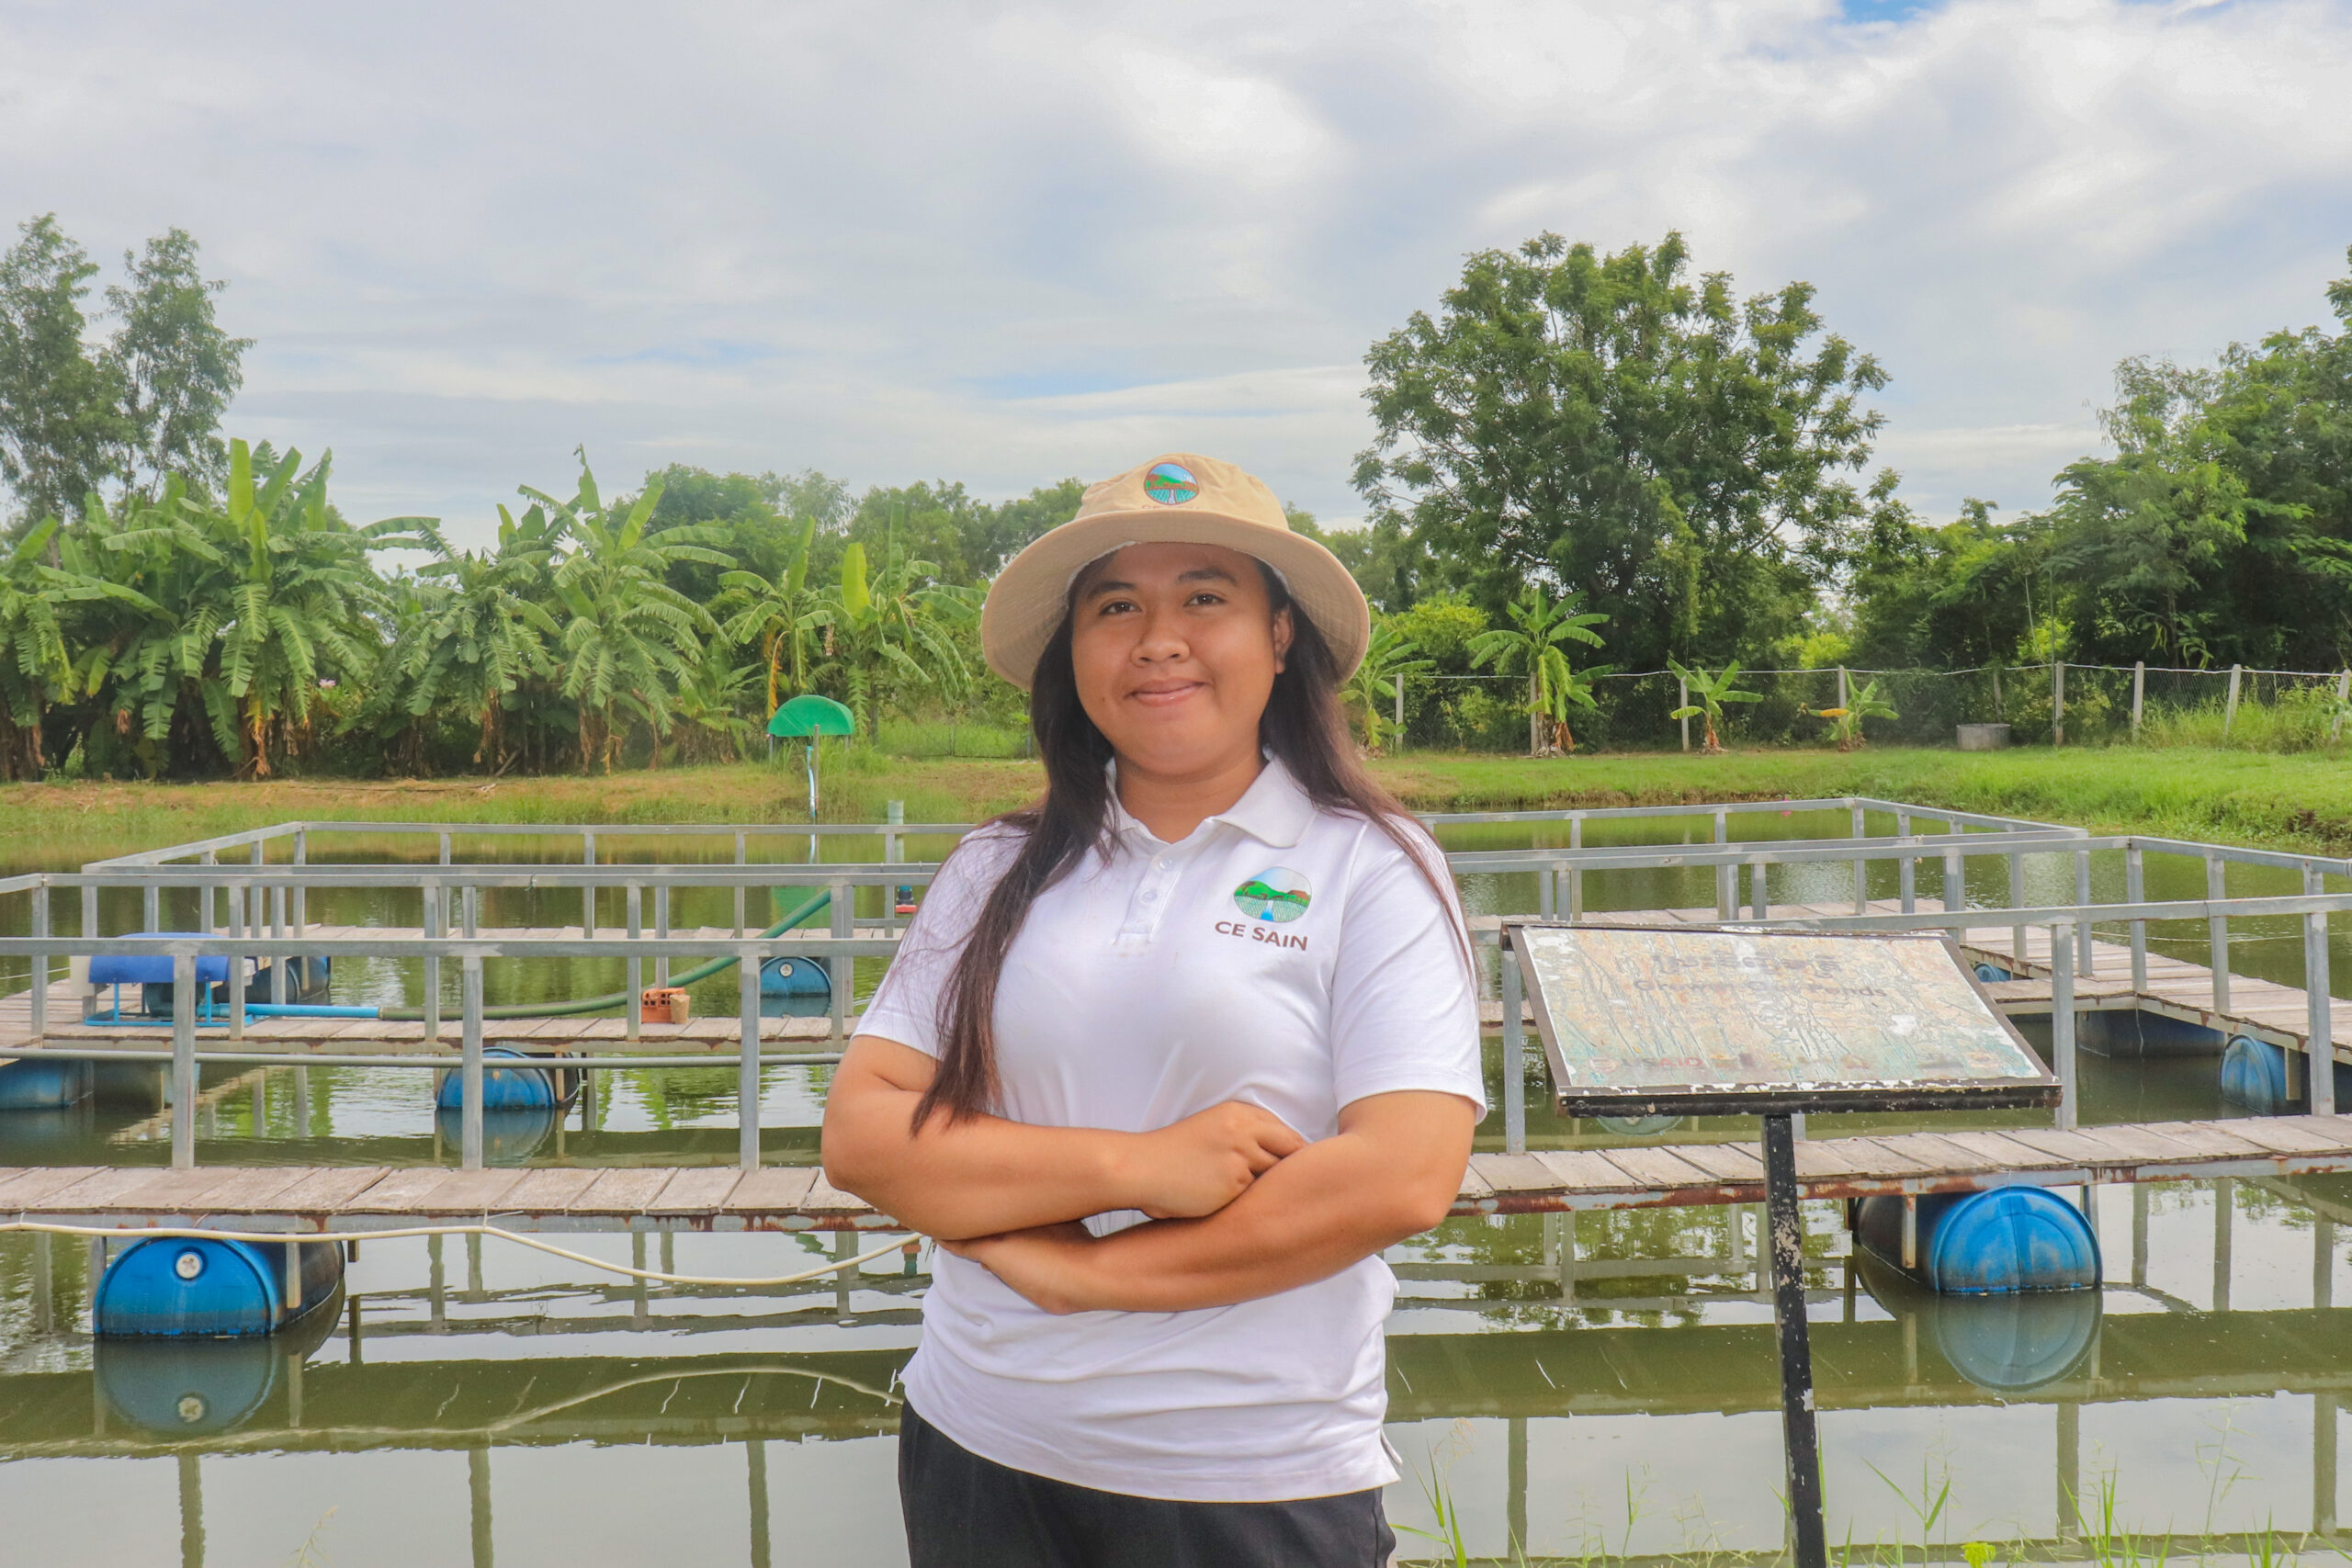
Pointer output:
358, 1198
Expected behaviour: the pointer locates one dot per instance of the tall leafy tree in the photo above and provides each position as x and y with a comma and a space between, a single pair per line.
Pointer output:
62, 419
175, 366
888, 632
474, 630
783, 613
1388, 658
1681, 455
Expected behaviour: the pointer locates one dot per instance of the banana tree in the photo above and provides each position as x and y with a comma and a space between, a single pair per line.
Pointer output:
34, 667
889, 631
1539, 626
472, 630
1708, 693
785, 614
1845, 723
629, 640
1574, 689
1387, 659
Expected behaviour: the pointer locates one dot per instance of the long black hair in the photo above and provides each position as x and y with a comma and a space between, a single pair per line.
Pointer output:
1303, 728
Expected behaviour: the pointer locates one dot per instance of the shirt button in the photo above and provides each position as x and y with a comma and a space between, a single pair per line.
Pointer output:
1163, 864
1151, 898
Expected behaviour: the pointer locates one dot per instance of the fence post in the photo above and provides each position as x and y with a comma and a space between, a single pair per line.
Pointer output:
2319, 1009
2062, 1020
2230, 713
2217, 933
1400, 710
2135, 890
588, 892
2057, 701
183, 1061
747, 1064
469, 1066
2083, 896
2343, 696
2138, 692
1683, 687
1841, 687
1999, 712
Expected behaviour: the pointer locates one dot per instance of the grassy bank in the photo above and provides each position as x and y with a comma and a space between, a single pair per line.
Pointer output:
2292, 801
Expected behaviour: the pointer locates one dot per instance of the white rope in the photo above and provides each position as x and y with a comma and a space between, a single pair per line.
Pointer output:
190, 1233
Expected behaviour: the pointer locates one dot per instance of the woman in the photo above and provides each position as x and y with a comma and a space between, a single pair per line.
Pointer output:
1164, 1062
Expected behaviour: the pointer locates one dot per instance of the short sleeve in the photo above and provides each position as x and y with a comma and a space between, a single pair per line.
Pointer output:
1404, 1013
905, 1007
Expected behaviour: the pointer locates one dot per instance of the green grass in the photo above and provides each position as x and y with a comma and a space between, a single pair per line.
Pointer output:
2291, 800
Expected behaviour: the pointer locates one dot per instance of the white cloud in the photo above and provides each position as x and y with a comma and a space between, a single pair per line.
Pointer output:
1014, 243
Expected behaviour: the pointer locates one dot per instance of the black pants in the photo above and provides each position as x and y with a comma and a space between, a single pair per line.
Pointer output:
963, 1511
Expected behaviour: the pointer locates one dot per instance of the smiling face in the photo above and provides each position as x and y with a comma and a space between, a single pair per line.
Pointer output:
1175, 649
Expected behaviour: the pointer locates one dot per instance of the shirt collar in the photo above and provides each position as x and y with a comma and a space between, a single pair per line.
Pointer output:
1274, 809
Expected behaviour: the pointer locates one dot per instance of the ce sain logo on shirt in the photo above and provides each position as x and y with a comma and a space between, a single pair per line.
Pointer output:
1271, 900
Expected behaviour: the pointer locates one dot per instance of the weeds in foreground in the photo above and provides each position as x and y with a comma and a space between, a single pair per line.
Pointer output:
311, 1555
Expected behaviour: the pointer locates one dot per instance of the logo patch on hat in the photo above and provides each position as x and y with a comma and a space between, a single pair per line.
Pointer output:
1171, 484
1277, 894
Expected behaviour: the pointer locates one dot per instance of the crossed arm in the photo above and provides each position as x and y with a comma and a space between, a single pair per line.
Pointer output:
1245, 1207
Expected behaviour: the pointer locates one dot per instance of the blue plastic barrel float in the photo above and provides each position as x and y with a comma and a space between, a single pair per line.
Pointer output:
1993, 974
2005, 1239
210, 1288
183, 1387
2254, 1074
29, 1084
795, 978
504, 1089
2008, 1344
151, 973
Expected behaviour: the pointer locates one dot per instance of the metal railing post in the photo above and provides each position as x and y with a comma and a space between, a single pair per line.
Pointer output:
89, 910
2216, 931
842, 971
1548, 891
1757, 891
277, 930
1514, 1056
662, 929
444, 848
2018, 938
2319, 1003
1955, 883
1907, 868
741, 858
302, 894
1861, 867
1727, 879
38, 997
470, 909
636, 910
469, 1064
204, 917
2062, 1022
236, 964
2085, 959
183, 1061
747, 1064
1575, 872
2136, 889
436, 924
588, 892
150, 907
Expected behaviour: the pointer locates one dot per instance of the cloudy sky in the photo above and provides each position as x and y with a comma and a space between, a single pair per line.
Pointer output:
1007, 243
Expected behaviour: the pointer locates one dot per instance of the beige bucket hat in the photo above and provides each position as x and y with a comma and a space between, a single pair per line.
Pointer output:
1180, 498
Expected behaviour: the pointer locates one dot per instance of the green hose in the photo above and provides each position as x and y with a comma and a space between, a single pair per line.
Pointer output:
823, 897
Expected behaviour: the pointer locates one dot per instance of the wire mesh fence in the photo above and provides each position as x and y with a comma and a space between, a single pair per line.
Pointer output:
2273, 710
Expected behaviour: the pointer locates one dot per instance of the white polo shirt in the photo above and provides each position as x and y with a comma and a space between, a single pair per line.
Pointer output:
1280, 954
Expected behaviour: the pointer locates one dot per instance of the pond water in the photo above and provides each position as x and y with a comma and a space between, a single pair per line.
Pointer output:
1600, 1387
